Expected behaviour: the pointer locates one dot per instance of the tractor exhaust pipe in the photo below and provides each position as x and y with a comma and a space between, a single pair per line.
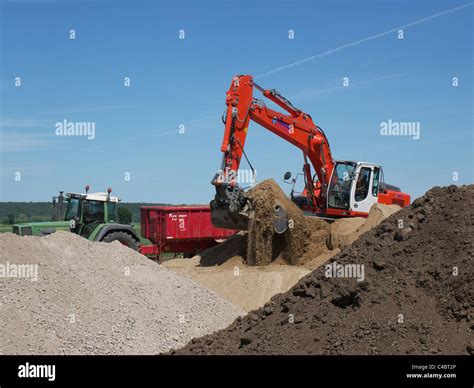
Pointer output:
58, 205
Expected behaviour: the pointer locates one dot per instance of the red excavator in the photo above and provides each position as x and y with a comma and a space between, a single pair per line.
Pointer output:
336, 188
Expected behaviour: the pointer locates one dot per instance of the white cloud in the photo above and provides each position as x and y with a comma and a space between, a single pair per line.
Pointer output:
86, 109
15, 122
18, 142
37, 170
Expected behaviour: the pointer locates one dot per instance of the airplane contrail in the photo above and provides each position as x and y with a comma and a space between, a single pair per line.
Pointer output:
312, 92
357, 42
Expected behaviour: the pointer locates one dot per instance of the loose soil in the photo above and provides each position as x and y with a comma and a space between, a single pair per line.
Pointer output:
416, 296
304, 239
245, 286
224, 269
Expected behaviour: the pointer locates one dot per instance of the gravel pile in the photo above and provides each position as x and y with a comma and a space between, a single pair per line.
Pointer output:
97, 298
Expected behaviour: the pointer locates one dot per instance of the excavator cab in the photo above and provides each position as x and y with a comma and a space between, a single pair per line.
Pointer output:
339, 191
354, 187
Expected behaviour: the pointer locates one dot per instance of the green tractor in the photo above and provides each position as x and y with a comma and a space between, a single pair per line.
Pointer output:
93, 216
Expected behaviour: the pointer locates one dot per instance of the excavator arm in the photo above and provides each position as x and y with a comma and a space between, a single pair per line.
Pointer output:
296, 127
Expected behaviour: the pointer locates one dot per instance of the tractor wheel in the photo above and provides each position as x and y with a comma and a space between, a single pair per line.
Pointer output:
124, 238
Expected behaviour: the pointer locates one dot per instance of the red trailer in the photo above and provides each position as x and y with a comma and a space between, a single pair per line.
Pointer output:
183, 229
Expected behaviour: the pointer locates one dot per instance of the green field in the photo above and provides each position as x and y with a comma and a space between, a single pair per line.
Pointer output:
143, 240
5, 228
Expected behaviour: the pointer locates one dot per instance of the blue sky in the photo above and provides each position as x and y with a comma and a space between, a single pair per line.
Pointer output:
183, 81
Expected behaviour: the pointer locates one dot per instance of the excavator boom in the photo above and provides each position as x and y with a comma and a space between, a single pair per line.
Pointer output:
295, 127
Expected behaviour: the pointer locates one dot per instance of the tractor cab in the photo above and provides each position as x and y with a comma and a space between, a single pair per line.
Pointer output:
85, 212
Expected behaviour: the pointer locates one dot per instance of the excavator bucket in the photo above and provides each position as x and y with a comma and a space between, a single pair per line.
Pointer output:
229, 209
222, 217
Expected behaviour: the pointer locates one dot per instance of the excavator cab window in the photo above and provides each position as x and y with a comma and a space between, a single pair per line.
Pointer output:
375, 182
363, 183
340, 186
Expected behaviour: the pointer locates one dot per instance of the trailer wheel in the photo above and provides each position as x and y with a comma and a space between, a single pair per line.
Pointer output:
124, 238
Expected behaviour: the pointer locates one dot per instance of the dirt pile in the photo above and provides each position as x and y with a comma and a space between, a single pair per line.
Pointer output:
248, 287
304, 239
415, 297
98, 298
308, 239
235, 248
224, 269
345, 231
